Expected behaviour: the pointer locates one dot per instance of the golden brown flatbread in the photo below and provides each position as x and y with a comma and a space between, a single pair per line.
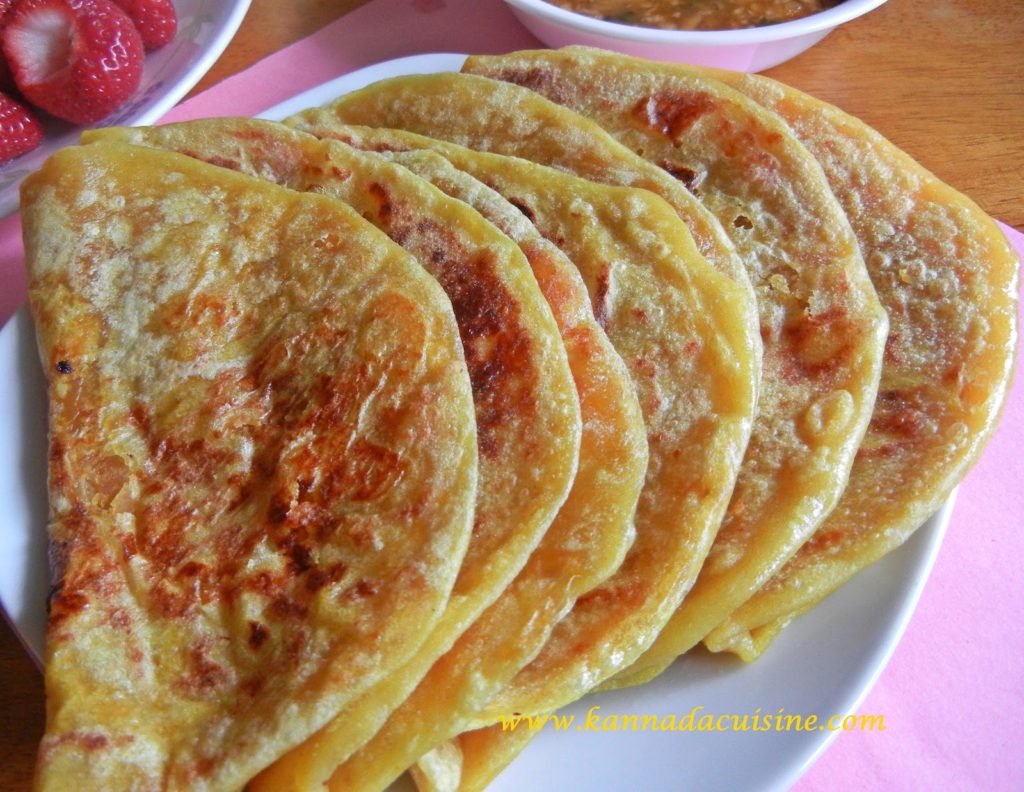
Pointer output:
613, 450
249, 388
821, 322
584, 545
680, 327
536, 129
528, 417
482, 755
949, 281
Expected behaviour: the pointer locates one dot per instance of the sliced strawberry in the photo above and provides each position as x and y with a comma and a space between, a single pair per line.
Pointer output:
20, 131
77, 59
156, 20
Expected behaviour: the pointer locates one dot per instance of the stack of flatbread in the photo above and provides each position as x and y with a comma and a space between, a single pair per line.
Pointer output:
467, 394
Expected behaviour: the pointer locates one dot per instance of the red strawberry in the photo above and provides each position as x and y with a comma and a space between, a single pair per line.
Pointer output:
20, 132
156, 20
77, 59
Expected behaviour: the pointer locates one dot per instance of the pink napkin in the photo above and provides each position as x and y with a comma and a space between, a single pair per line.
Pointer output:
952, 694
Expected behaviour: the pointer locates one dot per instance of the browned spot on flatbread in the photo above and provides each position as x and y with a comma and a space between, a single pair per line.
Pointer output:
896, 415
320, 577
300, 557
626, 595
370, 470
523, 207
894, 349
601, 296
258, 634
277, 511
182, 461
252, 686
899, 421
380, 192
213, 159
558, 291
816, 347
90, 741
362, 590
953, 376
95, 573
59, 479
314, 172
202, 768
191, 570
306, 486
129, 546
181, 467
65, 603
672, 111
825, 541
355, 141
284, 609
543, 80
204, 675
690, 178
496, 343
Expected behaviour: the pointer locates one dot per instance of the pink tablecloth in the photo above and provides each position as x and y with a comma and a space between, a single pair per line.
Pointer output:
952, 694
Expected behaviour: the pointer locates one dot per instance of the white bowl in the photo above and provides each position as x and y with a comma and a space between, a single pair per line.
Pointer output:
748, 50
205, 28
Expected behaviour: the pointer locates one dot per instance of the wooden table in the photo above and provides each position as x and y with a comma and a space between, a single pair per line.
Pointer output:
943, 79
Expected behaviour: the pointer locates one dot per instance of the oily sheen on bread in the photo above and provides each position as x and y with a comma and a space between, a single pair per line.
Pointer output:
822, 324
584, 544
613, 451
527, 416
248, 389
658, 295
680, 327
949, 281
505, 119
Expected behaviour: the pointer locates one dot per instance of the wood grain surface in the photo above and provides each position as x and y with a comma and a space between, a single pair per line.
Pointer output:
943, 79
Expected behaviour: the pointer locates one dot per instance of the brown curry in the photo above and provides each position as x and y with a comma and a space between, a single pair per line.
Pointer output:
697, 14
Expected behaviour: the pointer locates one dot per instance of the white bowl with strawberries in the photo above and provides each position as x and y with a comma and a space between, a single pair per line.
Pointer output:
70, 64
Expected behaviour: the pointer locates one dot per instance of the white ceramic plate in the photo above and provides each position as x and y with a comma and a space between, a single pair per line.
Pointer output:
823, 665
204, 29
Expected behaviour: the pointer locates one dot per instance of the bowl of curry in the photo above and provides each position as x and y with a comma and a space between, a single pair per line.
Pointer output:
744, 35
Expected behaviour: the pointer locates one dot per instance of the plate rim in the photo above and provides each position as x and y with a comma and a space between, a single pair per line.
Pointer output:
922, 548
